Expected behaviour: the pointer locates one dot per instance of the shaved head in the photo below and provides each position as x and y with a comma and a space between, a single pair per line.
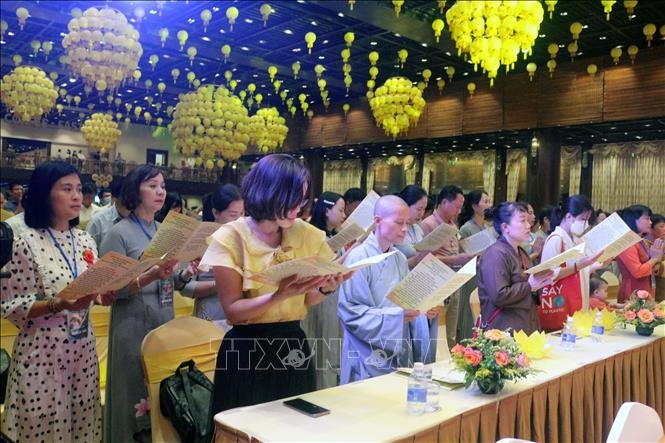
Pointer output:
388, 205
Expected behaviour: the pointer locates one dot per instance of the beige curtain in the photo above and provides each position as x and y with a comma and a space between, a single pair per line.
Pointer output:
408, 162
572, 156
513, 166
488, 158
629, 173
338, 176
489, 172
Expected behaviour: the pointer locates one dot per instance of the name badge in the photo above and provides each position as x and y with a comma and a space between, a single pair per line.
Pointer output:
165, 292
77, 324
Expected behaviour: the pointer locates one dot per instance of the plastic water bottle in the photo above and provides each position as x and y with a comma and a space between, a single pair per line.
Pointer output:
416, 394
598, 328
569, 335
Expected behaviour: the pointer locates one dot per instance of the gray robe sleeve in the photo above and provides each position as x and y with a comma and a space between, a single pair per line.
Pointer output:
114, 241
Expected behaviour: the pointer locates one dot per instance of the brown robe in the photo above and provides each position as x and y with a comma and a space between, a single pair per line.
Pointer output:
502, 284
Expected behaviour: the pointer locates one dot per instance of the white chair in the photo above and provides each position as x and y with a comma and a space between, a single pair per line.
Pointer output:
636, 422
514, 440
474, 303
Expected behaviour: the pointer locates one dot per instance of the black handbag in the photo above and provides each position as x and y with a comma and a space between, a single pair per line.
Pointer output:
4, 373
186, 399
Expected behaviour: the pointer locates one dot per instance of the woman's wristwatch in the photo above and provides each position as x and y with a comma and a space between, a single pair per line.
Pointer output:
182, 280
326, 293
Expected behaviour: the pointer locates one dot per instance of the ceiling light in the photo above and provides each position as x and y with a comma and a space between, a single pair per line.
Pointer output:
424, 60
221, 31
288, 31
397, 34
395, 66
296, 50
639, 137
205, 38
602, 37
244, 48
585, 27
255, 75
129, 90
166, 56
339, 14
153, 11
562, 46
10, 33
321, 57
190, 20
563, 13
448, 53
72, 80
313, 23
263, 42
466, 73
63, 85
373, 43
324, 42
304, 86
249, 20
424, 45
542, 35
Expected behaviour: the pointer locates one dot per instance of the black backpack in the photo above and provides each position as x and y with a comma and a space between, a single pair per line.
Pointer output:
186, 399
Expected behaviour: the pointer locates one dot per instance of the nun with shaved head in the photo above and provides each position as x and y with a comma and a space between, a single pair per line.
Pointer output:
380, 336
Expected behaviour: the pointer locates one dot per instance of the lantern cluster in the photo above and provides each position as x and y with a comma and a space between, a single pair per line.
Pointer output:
268, 129
102, 48
397, 105
211, 122
28, 92
100, 132
493, 33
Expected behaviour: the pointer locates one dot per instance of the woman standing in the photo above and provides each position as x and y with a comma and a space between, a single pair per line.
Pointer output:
505, 291
416, 198
223, 206
265, 317
143, 305
472, 217
636, 264
658, 232
53, 385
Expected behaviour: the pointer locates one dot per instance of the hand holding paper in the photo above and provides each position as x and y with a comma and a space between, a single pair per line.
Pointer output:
363, 215
439, 237
558, 260
611, 236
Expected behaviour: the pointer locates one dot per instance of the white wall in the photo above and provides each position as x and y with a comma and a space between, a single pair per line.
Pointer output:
132, 144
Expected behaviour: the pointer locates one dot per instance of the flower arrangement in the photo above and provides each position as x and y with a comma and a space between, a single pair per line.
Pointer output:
490, 358
89, 256
643, 312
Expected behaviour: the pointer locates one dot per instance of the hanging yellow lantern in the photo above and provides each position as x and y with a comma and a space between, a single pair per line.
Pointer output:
437, 26
190, 77
649, 30
615, 53
3, 27
421, 86
553, 49
148, 84
36, 46
69, 98
22, 14
592, 69
471, 87
87, 89
426, 75
440, 84
345, 108
101, 86
60, 108
232, 14
575, 29
346, 53
346, 68
351, 3
161, 87
100, 131
191, 53
283, 95
251, 88
318, 69
277, 84
397, 106
373, 58
62, 92
47, 47
153, 61
136, 75
373, 72
397, 5
441, 4
349, 37
206, 15
77, 100
531, 69
139, 13
295, 67
572, 50
196, 83
272, 72
17, 59
402, 54
226, 52
182, 36
632, 53
117, 102
630, 6
147, 117
233, 84
163, 35
551, 66
293, 110
607, 7
242, 94
302, 98
175, 73
347, 82
310, 38
550, 6
228, 75
265, 11
450, 70
53, 76
322, 84
310, 114
259, 99
268, 129
28, 92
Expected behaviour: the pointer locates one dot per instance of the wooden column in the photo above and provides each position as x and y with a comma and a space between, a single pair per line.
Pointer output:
314, 162
542, 171
586, 174
364, 161
500, 179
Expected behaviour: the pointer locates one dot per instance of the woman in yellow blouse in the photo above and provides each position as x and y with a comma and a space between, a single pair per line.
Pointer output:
265, 356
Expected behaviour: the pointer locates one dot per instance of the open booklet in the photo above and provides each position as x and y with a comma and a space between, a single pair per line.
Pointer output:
558, 260
312, 267
347, 235
110, 273
439, 237
478, 242
180, 237
363, 215
430, 283
612, 236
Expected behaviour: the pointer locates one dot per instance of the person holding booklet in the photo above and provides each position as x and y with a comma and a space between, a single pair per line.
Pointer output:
380, 336
222, 206
505, 291
416, 198
265, 355
53, 387
637, 263
144, 304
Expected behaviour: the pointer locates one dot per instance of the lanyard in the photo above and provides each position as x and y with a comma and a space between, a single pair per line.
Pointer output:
74, 270
136, 220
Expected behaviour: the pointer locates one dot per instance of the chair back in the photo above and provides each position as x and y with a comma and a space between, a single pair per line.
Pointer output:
636, 422
164, 348
442, 351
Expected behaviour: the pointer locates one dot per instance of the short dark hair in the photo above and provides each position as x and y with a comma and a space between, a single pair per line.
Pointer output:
657, 218
116, 187
172, 200
595, 282
274, 186
504, 212
38, 210
634, 212
131, 188
88, 188
223, 196
354, 195
411, 194
574, 205
448, 193
472, 198
12, 184
545, 212
325, 201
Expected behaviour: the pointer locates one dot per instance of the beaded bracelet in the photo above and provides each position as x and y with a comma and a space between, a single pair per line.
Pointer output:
51, 305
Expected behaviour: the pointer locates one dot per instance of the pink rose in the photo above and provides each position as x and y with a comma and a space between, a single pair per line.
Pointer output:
630, 315
458, 350
473, 357
642, 294
523, 361
502, 358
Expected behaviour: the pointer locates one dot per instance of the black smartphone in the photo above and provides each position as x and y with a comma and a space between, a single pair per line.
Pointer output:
306, 407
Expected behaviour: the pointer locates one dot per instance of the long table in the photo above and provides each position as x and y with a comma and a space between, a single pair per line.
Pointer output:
575, 397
